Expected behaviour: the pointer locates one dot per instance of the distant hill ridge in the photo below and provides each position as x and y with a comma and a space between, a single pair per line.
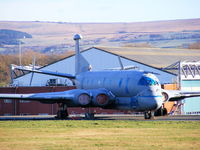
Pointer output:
10, 37
56, 37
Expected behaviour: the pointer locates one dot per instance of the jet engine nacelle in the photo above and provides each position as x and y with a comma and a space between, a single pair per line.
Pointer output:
79, 97
165, 96
101, 97
171, 95
175, 95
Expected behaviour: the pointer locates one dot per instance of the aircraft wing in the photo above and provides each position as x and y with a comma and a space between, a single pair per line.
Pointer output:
75, 97
45, 72
176, 95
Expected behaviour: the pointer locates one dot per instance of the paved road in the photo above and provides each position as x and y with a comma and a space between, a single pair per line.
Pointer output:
160, 118
108, 117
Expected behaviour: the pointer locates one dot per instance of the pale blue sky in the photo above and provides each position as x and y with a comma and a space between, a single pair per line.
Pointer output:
98, 10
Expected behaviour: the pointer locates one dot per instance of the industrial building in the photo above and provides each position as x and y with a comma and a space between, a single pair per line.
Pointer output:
155, 60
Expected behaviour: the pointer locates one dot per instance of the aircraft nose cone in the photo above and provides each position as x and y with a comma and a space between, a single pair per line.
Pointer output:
148, 100
159, 102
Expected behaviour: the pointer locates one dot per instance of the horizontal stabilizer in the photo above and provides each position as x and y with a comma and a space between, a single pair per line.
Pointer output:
45, 72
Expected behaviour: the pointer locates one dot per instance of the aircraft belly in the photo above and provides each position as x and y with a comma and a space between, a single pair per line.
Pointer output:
138, 103
147, 103
127, 103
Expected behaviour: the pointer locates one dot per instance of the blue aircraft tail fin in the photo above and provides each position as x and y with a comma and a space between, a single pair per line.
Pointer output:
81, 64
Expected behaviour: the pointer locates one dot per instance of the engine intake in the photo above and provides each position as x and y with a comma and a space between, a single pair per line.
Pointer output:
79, 97
165, 96
101, 97
84, 99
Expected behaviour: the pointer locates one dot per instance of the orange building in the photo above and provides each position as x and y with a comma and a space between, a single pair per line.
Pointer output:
170, 106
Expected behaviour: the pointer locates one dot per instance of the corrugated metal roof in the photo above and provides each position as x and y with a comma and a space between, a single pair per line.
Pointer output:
156, 57
153, 57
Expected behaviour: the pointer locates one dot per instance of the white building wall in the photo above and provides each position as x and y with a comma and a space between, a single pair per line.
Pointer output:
100, 60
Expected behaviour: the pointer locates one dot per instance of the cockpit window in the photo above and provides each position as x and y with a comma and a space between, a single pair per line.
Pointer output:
147, 81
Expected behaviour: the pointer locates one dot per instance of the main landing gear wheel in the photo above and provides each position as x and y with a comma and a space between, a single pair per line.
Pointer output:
148, 115
62, 112
89, 116
161, 112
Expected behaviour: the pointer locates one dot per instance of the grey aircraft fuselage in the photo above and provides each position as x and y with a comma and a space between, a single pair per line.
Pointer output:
133, 90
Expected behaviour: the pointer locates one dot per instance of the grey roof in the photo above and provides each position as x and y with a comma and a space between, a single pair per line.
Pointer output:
153, 57
156, 57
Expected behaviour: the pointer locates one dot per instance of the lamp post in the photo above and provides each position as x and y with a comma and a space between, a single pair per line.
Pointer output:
20, 53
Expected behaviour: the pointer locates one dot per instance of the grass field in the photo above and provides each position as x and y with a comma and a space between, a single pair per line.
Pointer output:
115, 135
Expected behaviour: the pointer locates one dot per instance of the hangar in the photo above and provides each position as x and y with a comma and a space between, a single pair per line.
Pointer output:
102, 58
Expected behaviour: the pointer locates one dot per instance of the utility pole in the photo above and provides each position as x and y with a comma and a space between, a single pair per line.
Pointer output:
20, 53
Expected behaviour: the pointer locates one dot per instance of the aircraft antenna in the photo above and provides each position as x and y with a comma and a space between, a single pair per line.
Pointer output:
33, 68
120, 62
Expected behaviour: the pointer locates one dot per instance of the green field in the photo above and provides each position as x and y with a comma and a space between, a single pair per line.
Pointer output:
115, 135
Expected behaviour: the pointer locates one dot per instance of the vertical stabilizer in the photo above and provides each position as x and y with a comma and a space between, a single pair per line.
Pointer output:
81, 64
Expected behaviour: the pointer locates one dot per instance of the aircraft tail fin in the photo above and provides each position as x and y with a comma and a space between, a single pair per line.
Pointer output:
81, 64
